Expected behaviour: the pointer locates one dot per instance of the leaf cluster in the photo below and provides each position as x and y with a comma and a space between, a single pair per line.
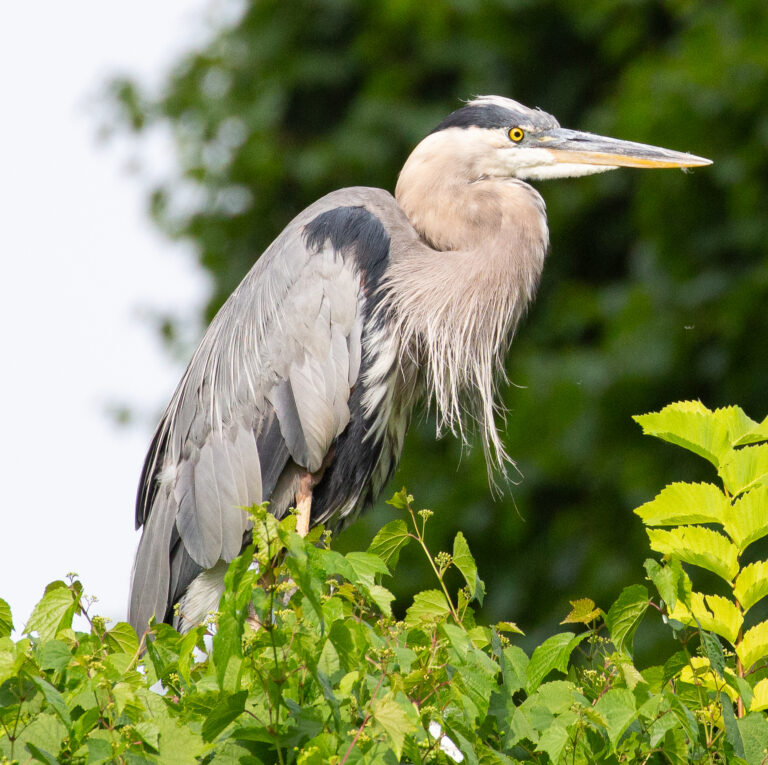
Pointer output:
305, 662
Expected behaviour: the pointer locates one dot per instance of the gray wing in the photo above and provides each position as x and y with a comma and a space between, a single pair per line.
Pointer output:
267, 387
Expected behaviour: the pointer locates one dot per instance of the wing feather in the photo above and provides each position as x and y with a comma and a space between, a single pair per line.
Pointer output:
266, 391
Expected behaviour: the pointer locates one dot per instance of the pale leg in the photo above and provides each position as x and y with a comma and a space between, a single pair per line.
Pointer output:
304, 505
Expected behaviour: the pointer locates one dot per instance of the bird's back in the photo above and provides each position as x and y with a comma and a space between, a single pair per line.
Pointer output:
296, 374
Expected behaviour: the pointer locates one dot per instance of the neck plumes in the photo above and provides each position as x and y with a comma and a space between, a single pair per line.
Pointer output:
459, 292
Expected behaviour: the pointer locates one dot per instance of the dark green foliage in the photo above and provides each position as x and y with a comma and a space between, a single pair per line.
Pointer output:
656, 286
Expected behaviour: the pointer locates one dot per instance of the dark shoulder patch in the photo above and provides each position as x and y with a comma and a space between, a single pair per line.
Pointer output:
355, 230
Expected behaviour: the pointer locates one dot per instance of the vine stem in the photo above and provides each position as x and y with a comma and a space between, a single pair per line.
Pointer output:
419, 537
364, 722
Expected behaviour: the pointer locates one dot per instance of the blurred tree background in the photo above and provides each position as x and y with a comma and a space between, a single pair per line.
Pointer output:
656, 286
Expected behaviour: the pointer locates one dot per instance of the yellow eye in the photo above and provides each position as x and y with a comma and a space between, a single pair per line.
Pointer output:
516, 134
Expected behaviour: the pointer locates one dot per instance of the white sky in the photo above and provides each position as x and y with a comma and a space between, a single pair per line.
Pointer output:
80, 264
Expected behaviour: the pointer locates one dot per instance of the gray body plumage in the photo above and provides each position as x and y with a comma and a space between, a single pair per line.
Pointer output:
311, 369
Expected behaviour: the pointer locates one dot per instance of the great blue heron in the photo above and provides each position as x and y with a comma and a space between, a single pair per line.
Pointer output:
302, 388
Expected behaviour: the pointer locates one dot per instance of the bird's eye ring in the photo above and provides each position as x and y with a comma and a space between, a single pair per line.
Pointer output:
516, 134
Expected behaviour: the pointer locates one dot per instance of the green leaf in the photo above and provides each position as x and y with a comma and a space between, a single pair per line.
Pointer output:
758, 433
509, 627
552, 655
691, 425
699, 546
746, 469
122, 638
463, 560
389, 541
54, 654
680, 504
625, 615
514, 668
713, 651
553, 741
54, 612
754, 735
6, 622
735, 421
401, 499
427, 606
732, 733
760, 696
751, 584
382, 597
179, 744
394, 719
666, 579
583, 611
746, 520
717, 614
754, 645
54, 699
366, 566
229, 708
40, 755
618, 709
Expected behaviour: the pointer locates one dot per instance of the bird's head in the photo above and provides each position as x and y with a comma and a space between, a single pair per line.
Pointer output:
497, 137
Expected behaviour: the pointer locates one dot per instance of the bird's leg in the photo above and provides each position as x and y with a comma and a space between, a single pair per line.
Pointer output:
304, 503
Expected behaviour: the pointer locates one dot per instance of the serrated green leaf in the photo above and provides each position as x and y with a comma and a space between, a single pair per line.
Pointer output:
691, 425
54, 654
428, 605
179, 744
6, 622
514, 668
759, 696
553, 741
463, 560
751, 584
389, 541
367, 566
670, 579
394, 719
699, 546
583, 611
229, 708
40, 755
711, 612
680, 504
725, 618
732, 732
735, 421
552, 655
54, 699
382, 597
713, 651
53, 612
618, 708
665, 580
746, 520
624, 616
754, 645
557, 695
122, 638
746, 469
757, 434
754, 735
401, 499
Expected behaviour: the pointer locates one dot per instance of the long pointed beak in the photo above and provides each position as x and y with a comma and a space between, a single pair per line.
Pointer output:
574, 147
